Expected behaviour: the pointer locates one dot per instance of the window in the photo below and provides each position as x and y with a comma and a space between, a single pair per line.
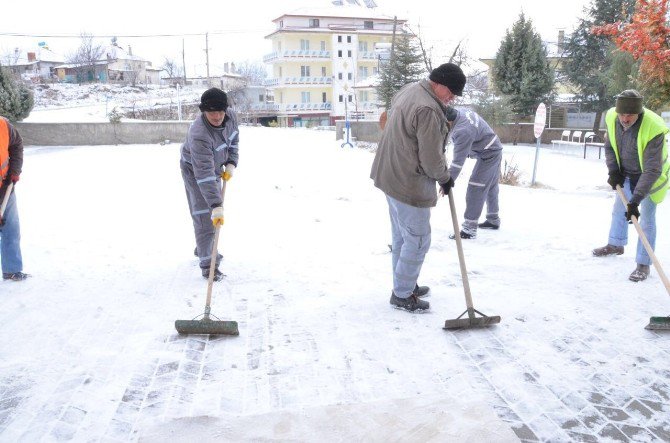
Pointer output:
350, 98
281, 23
362, 72
348, 39
313, 22
304, 71
364, 96
323, 97
341, 98
362, 46
339, 39
339, 53
304, 97
339, 76
323, 45
323, 71
304, 45
280, 72
350, 76
279, 46
368, 24
349, 53
261, 98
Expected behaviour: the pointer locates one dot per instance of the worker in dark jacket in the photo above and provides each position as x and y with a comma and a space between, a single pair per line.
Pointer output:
11, 162
636, 155
473, 138
408, 166
209, 154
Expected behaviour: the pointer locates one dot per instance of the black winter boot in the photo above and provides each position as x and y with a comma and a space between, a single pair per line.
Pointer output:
607, 250
14, 276
218, 275
421, 291
488, 225
640, 273
464, 235
411, 303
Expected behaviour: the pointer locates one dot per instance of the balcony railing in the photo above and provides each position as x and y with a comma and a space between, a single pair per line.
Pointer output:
284, 81
368, 55
292, 107
298, 53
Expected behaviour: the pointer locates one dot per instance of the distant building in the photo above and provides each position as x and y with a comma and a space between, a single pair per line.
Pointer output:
322, 60
35, 66
124, 67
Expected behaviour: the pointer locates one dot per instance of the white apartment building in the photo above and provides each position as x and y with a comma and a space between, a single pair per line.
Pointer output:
322, 62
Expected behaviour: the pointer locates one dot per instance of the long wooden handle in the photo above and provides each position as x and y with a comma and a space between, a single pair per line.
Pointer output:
212, 259
6, 199
645, 242
461, 257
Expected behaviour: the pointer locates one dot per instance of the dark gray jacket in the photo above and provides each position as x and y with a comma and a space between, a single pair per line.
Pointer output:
410, 157
208, 150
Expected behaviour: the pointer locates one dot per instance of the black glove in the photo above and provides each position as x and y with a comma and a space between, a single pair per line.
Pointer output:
446, 186
632, 210
616, 178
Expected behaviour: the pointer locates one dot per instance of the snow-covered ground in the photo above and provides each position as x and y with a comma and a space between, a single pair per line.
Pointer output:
90, 352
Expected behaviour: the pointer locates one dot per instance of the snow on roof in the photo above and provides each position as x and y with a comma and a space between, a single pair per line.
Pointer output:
346, 11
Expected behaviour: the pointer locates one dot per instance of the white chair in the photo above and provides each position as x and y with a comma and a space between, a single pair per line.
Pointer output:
577, 135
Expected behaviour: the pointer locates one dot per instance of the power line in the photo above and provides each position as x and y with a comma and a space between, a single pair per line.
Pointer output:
200, 34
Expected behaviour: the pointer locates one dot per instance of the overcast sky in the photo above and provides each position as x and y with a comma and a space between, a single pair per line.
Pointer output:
237, 29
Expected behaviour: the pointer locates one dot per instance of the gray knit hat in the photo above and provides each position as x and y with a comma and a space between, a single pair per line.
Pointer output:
629, 102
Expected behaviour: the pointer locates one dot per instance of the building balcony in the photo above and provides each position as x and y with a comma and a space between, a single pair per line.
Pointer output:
291, 107
368, 55
297, 54
297, 81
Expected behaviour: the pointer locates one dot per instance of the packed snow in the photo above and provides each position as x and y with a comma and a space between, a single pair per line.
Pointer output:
91, 354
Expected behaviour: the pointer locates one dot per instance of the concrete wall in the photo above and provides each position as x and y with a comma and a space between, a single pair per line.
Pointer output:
73, 134
362, 130
369, 131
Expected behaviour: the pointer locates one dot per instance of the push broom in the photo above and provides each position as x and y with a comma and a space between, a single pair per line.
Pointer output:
662, 323
206, 325
471, 321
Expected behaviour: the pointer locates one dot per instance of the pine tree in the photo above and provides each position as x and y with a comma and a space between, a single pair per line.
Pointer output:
591, 65
521, 71
405, 66
16, 100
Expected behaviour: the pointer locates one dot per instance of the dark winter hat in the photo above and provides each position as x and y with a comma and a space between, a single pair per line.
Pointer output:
451, 113
629, 102
449, 75
213, 100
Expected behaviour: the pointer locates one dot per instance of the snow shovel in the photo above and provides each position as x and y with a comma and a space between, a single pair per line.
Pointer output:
662, 323
5, 200
206, 325
471, 321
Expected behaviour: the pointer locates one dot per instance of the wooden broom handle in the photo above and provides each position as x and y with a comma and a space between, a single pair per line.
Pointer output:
6, 199
645, 242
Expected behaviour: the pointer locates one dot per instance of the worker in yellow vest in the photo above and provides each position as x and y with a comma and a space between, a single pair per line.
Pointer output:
11, 162
636, 155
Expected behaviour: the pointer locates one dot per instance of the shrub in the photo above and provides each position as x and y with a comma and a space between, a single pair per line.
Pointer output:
510, 174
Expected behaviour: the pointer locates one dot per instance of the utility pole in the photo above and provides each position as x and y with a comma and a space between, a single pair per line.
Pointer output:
183, 59
207, 54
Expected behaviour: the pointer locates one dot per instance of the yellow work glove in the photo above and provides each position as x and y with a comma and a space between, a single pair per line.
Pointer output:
217, 216
228, 173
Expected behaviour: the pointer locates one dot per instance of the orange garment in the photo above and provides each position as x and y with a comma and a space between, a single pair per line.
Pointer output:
4, 148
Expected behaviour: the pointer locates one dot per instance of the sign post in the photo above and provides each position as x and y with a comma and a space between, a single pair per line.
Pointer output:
538, 128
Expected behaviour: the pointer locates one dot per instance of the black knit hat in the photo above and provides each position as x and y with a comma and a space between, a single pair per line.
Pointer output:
451, 76
213, 100
629, 102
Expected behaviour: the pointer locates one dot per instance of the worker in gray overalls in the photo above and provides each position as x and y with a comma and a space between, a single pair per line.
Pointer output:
209, 154
473, 137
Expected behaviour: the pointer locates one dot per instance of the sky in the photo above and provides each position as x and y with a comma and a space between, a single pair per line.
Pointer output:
237, 29
90, 352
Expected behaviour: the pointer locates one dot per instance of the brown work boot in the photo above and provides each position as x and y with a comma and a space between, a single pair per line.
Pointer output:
640, 273
607, 250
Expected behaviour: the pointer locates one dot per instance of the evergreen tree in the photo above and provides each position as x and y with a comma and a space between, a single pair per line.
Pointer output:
521, 71
405, 66
590, 64
16, 100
